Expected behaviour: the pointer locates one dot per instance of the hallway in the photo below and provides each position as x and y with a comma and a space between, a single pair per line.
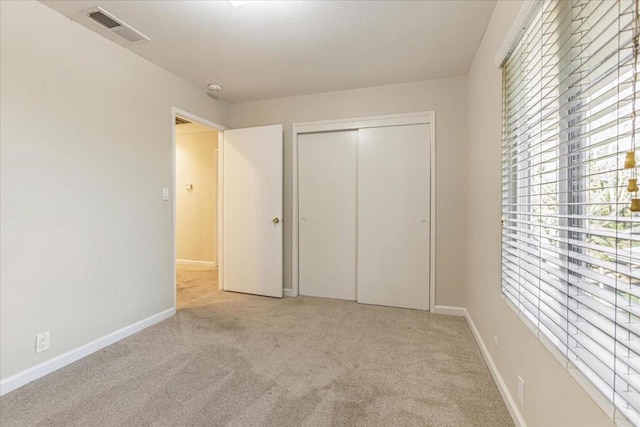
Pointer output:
196, 285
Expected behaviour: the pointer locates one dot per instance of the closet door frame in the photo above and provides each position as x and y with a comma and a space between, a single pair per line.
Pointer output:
424, 117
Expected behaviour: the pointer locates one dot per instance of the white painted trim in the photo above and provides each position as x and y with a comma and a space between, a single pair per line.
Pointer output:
519, 25
425, 117
193, 118
451, 311
364, 122
173, 206
195, 262
512, 407
197, 119
295, 212
289, 292
22, 378
217, 218
432, 214
220, 206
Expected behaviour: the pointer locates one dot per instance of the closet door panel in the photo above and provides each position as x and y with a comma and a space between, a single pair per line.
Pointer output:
393, 216
327, 214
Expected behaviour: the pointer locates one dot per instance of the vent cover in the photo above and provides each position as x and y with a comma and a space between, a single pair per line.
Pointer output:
129, 34
103, 19
181, 121
114, 25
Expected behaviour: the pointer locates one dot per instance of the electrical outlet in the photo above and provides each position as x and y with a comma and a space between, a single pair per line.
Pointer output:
42, 342
521, 390
495, 342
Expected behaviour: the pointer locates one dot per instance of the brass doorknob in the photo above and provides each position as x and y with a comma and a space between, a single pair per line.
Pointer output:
276, 220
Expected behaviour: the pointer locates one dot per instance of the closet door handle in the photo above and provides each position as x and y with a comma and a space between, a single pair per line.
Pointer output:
276, 220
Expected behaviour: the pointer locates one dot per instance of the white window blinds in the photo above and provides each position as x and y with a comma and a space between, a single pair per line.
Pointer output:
570, 244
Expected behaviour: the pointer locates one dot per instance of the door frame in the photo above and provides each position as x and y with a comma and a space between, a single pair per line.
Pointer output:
424, 117
197, 119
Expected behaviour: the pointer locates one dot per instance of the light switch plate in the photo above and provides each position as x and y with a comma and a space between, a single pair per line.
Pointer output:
165, 193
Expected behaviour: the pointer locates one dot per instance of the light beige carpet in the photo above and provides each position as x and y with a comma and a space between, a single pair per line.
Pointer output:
243, 360
196, 286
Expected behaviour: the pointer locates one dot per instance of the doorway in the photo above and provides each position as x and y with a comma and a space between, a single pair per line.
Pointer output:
196, 211
247, 234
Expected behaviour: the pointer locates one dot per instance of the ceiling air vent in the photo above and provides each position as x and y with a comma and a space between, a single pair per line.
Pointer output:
104, 20
181, 121
115, 25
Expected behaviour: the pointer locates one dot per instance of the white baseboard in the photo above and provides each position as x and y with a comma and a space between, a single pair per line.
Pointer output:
289, 292
452, 311
194, 262
514, 411
18, 380
516, 415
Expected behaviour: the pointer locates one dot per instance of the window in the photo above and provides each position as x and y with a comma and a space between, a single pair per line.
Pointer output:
570, 244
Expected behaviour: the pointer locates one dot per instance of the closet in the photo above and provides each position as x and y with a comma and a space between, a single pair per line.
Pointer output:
364, 215
327, 220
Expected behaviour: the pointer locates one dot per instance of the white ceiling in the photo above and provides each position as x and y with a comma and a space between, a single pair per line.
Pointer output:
270, 49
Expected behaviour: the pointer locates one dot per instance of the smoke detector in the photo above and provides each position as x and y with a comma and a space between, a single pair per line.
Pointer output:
214, 87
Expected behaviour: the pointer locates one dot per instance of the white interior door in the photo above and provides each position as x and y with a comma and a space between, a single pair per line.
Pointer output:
327, 214
393, 216
252, 211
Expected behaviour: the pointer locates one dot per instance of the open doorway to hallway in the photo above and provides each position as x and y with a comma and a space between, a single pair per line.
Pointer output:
196, 197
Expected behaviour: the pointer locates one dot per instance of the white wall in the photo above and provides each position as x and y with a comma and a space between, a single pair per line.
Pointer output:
447, 97
196, 164
553, 397
86, 145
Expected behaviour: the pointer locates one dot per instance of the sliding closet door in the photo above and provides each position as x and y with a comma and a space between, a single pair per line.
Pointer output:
393, 216
327, 214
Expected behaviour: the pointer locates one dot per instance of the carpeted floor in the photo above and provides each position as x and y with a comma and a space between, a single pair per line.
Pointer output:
197, 286
242, 360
